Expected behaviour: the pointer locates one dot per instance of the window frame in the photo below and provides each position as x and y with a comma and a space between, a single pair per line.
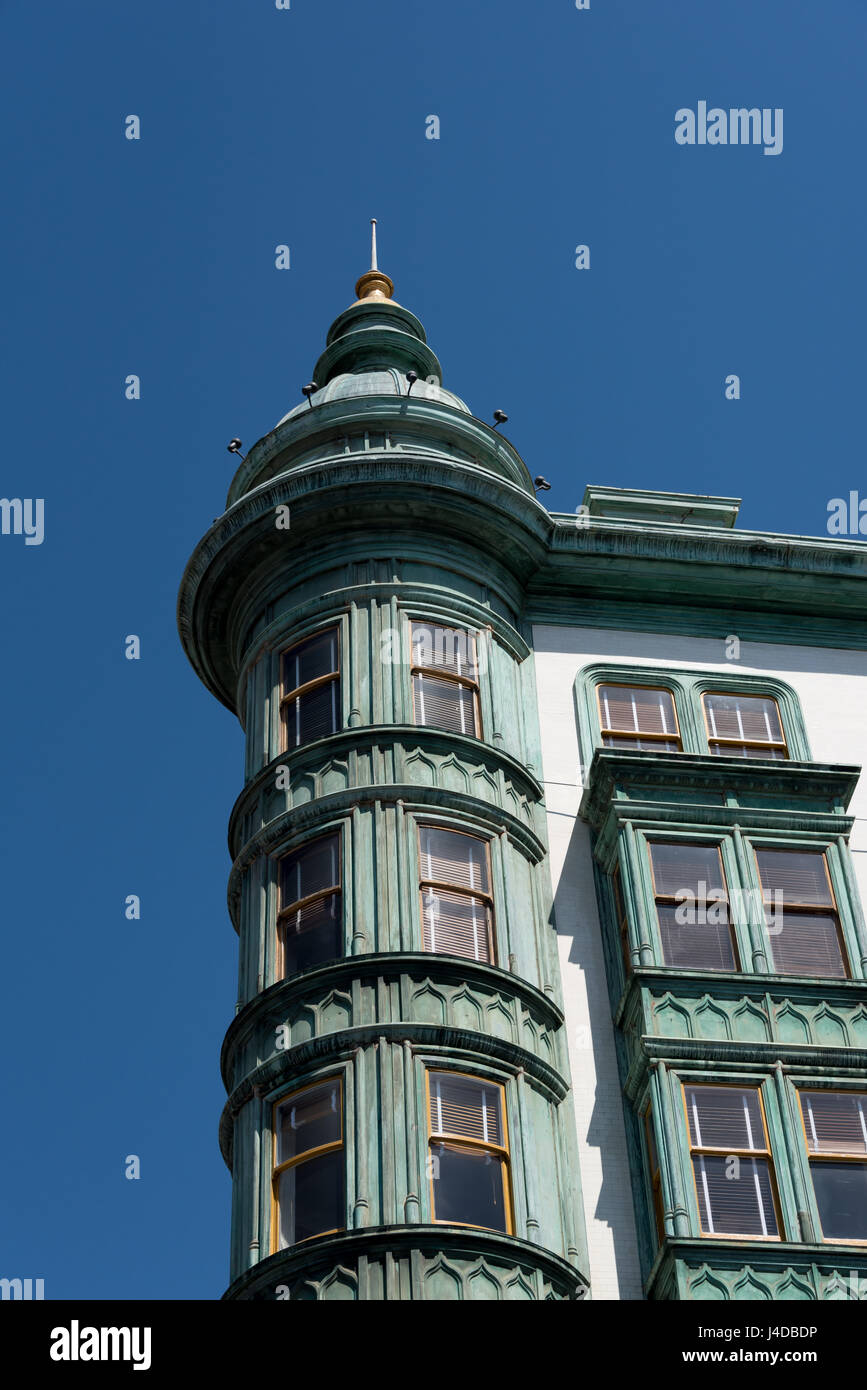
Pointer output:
435, 884
808, 908
437, 673
669, 900
463, 1141
730, 1151
296, 906
287, 697
318, 1152
834, 1157
621, 735
715, 739
657, 1203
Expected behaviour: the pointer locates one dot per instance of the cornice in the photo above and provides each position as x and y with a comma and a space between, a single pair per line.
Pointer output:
631, 784
339, 974
274, 835
328, 1048
320, 752
458, 1242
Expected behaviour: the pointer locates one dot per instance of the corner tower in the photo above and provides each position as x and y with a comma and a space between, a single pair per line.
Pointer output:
398, 1122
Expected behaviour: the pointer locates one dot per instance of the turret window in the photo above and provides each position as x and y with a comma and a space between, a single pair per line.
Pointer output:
469, 1153
310, 922
445, 687
308, 1180
835, 1129
310, 701
731, 1161
456, 905
637, 716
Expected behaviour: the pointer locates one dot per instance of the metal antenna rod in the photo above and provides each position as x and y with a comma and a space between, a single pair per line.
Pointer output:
373, 264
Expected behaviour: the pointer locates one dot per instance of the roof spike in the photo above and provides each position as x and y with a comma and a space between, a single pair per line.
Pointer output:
374, 283
373, 264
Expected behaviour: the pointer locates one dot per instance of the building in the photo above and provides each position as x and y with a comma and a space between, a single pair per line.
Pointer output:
551, 951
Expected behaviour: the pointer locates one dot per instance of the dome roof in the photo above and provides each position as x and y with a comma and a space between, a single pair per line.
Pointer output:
385, 382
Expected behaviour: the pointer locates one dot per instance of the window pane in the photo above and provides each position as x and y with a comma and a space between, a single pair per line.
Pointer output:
444, 705
735, 1196
311, 1198
841, 1196
632, 708
724, 1117
312, 935
835, 1122
460, 1105
643, 745
447, 856
799, 875
680, 868
456, 924
444, 648
468, 1187
313, 714
698, 945
745, 750
308, 1120
309, 660
310, 869
747, 717
806, 943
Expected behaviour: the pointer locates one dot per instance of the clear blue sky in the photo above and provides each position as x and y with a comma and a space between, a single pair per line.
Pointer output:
156, 257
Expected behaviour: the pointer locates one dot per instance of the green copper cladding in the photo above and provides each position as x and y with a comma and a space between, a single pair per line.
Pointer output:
407, 508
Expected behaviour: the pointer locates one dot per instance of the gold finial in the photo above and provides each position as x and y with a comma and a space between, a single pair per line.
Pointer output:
374, 284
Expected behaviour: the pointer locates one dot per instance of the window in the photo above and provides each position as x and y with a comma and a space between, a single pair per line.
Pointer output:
692, 906
308, 1164
310, 922
731, 1161
835, 1127
456, 894
655, 1176
469, 1155
445, 686
634, 716
744, 726
622, 920
310, 676
800, 912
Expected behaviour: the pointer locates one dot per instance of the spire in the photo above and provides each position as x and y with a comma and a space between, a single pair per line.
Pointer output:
374, 284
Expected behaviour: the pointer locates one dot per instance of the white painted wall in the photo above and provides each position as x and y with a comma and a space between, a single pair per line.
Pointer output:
832, 687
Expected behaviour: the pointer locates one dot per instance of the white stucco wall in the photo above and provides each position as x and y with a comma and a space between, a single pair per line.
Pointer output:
832, 687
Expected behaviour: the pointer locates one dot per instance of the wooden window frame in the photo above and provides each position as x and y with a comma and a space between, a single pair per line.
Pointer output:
670, 900
437, 673
714, 740
462, 1141
439, 884
729, 1151
284, 912
621, 735
831, 909
834, 1156
287, 697
278, 1170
